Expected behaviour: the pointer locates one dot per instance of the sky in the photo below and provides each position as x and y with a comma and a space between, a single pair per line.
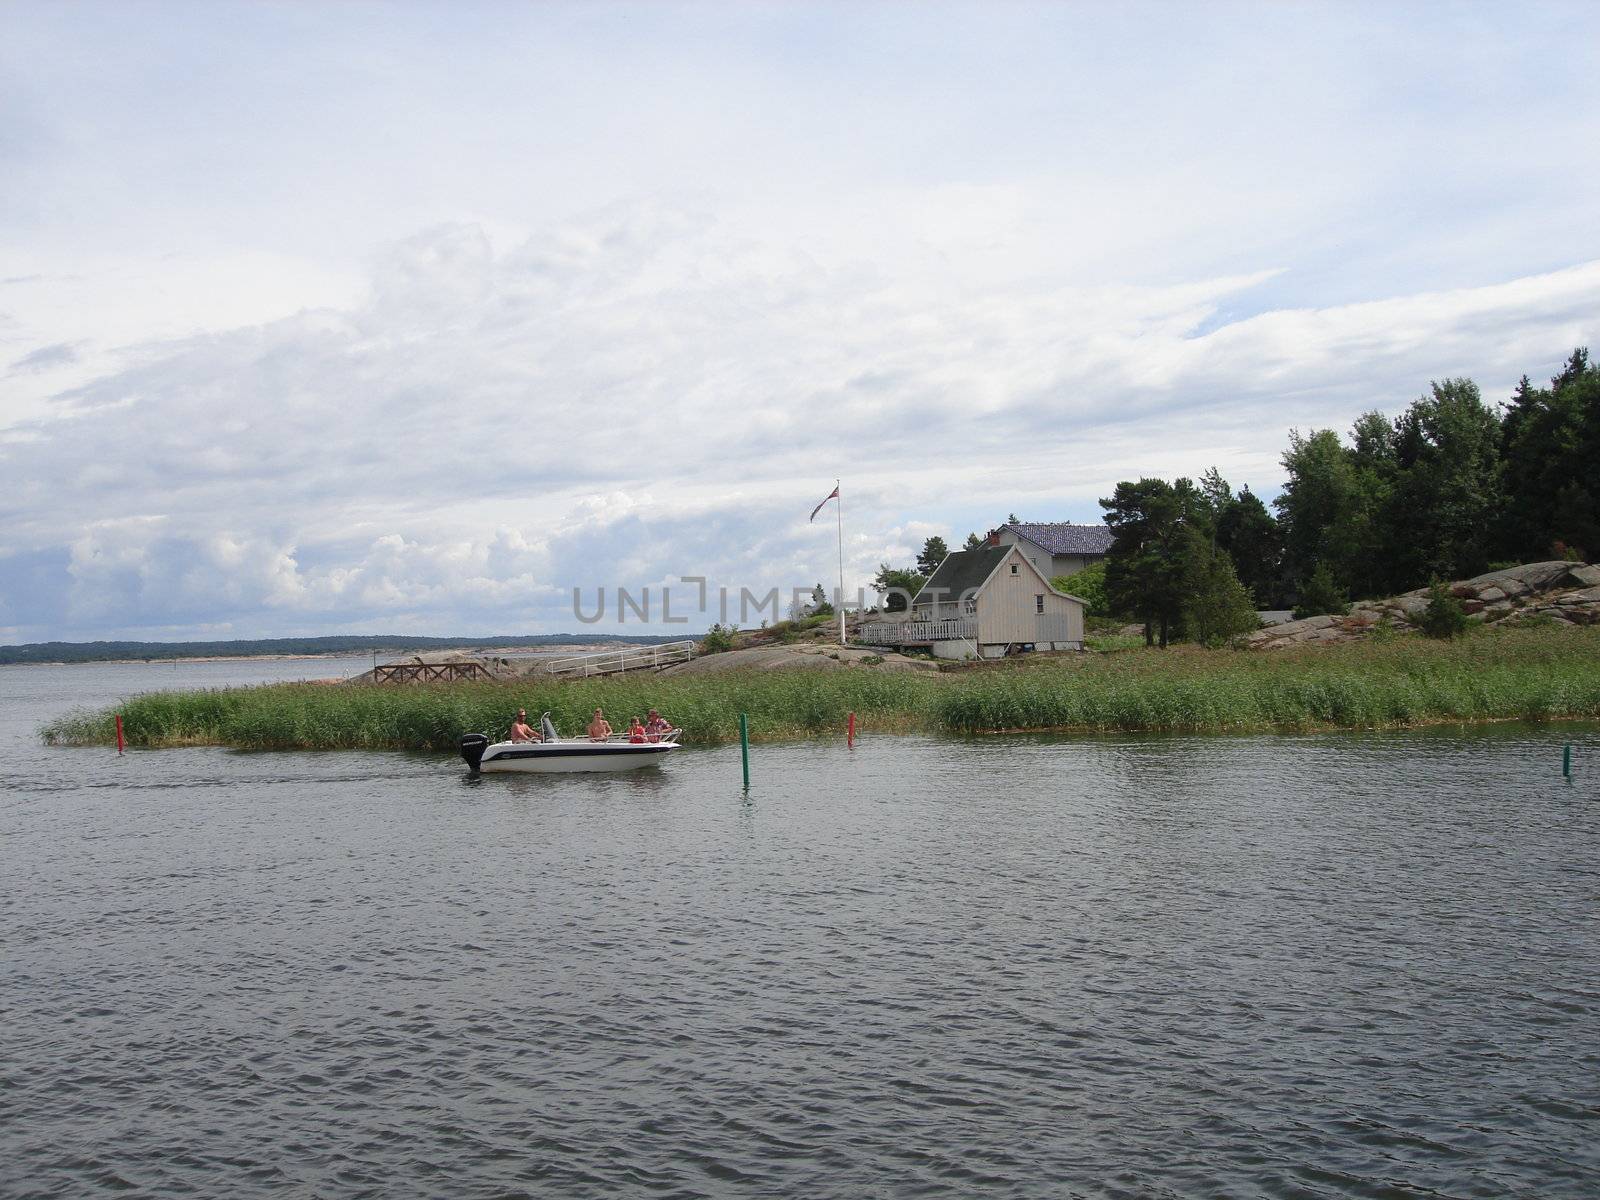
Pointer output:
415, 318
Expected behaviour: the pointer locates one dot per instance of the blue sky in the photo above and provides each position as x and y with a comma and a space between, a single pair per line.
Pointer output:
415, 317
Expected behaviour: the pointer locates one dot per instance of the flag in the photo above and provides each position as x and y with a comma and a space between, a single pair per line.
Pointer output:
833, 495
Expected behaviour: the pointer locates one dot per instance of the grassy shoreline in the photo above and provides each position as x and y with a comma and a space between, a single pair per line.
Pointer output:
1492, 675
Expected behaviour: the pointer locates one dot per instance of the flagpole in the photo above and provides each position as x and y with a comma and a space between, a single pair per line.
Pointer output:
839, 512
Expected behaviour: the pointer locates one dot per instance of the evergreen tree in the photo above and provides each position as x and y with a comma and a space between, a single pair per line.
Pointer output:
1324, 509
1248, 533
1446, 492
934, 552
1321, 595
1145, 568
1216, 497
973, 542
1549, 445
1218, 608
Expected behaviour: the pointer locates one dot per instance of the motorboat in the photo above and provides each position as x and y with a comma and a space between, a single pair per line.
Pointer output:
556, 753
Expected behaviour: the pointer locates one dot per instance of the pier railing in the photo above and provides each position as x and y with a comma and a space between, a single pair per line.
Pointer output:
918, 633
610, 662
448, 672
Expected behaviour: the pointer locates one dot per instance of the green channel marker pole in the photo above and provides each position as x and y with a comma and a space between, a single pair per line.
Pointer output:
1566, 762
744, 747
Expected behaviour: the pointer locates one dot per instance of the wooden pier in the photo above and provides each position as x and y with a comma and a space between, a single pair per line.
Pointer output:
449, 672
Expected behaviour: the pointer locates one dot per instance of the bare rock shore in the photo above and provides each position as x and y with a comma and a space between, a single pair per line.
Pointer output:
1561, 593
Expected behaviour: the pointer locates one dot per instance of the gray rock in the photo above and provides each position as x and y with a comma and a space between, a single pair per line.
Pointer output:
1585, 575
1586, 596
1541, 576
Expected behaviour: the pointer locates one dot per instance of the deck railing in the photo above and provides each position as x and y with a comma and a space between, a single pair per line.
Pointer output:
448, 672
610, 662
915, 633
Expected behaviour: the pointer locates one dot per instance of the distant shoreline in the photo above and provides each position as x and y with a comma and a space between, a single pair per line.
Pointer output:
554, 648
70, 654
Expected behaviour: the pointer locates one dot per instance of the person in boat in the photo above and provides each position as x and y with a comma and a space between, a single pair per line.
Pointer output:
521, 731
599, 728
636, 732
657, 726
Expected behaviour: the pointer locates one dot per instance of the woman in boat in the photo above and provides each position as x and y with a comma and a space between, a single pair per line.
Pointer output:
599, 728
636, 732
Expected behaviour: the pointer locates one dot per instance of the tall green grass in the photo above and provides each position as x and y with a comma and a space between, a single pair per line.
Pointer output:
1533, 674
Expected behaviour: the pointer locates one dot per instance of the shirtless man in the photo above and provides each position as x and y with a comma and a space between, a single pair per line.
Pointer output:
599, 728
521, 731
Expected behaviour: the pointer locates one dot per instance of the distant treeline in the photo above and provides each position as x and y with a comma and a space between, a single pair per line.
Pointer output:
74, 652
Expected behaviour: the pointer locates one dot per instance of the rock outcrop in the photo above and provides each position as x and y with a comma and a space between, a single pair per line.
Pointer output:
1561, 593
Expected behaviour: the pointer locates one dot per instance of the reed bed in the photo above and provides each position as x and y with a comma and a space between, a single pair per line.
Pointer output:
1532, 674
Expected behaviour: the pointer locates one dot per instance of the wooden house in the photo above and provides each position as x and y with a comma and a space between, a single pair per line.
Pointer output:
985, 603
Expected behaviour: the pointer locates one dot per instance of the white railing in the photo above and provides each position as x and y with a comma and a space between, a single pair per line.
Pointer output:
910, 633
633, 658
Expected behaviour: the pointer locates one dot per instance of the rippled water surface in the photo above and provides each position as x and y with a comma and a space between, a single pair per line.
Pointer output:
1294, 966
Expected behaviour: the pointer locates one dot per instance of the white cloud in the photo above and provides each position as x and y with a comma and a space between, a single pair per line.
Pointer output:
662, 398
309, 322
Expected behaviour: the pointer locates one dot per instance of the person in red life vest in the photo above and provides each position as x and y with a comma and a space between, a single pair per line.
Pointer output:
636, 731
657, 727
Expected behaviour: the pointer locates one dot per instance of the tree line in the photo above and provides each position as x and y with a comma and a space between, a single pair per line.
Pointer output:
1452, 487
76, 652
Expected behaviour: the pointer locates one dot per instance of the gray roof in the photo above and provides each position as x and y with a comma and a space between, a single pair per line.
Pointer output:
1059, 537
962, 571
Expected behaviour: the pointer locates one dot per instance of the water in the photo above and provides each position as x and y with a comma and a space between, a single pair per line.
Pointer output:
1132, 967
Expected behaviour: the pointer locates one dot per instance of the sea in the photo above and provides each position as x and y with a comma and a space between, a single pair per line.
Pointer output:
1330, 965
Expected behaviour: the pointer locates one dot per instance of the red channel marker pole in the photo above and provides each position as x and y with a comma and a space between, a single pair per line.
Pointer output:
850, 731
119, 733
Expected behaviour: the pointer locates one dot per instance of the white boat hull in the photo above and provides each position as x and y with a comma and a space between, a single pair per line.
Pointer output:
564, 756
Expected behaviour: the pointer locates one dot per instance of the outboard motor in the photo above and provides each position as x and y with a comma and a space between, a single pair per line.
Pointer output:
472, 747
549, 727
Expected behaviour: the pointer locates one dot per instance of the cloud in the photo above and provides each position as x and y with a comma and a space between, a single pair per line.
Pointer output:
648, 394
46, 358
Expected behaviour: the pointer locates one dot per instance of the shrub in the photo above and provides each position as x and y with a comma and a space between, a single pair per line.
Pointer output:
1088, 585
718, 638
1444, 617
1322, 596
1219, 607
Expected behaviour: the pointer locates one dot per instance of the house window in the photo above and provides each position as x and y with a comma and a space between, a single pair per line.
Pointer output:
970, 607
1038, 604
1013, 568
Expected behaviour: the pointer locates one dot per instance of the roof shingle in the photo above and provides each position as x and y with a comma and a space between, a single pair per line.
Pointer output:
1060, 537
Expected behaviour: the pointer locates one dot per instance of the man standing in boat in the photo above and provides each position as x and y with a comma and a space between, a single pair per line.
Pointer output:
599, 728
